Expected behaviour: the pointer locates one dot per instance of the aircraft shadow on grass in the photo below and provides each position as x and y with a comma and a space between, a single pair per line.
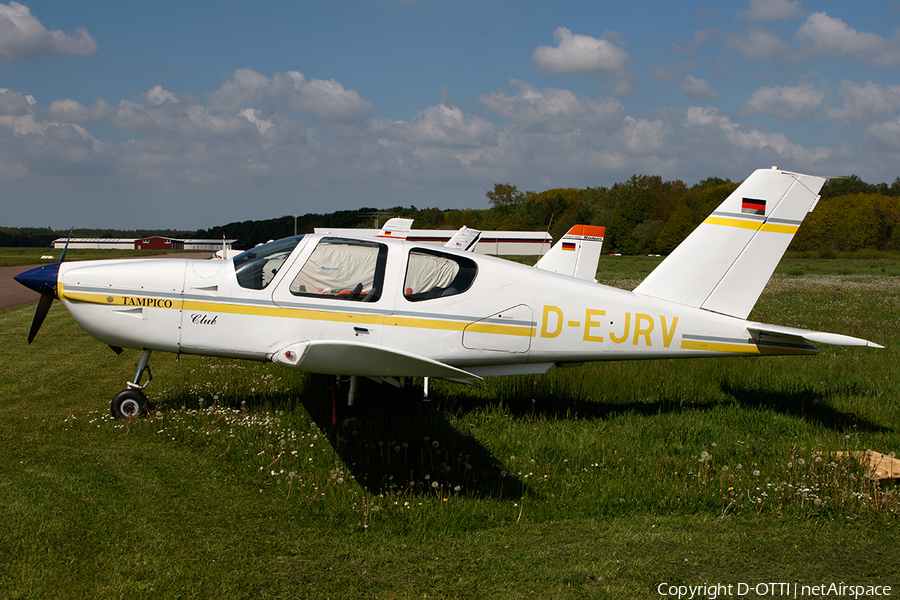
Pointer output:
805, 404
393, 442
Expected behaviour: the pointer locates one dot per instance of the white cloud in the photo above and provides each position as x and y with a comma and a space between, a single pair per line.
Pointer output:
690, 47
23, 37
577, 54
694, 87
772, 10
31, 146
757, 44
551, 110
437, 126
822, 37
642, 136
867, 102
157, 95
14, 103
887, 134
328, 100
742, 139
787, 103
71, 111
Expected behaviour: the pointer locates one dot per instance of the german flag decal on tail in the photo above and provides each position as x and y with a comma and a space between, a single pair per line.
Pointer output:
753, 207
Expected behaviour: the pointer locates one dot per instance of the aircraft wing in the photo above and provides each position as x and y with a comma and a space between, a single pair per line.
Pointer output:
795, 336
335, 357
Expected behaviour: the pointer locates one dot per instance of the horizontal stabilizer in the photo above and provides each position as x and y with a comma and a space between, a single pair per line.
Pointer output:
576, 254
725, 263
333, 357
817, 337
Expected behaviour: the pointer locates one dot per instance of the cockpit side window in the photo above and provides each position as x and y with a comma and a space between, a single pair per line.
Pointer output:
343, 269
434, 274
256, 267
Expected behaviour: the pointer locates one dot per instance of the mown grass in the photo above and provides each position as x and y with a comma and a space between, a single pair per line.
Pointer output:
600, 481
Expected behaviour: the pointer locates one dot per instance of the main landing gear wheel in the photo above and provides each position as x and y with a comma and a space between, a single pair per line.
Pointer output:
129, 404
132, 402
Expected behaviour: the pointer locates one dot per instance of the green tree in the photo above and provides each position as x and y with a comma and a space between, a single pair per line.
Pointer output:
505, 195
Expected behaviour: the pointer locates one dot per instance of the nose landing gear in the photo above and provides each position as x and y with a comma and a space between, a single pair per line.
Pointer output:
132, 402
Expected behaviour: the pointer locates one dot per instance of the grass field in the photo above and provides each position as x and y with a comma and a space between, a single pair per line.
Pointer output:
605, 480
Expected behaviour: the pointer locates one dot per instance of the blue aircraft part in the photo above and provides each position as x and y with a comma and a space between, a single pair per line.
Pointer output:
39, 278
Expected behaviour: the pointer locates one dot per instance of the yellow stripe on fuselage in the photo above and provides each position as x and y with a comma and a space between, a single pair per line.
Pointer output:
308, 314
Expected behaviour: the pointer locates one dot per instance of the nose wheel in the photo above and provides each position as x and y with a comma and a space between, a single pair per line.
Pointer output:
132, 402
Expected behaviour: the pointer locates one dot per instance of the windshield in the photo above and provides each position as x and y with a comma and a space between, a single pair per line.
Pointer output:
256, 267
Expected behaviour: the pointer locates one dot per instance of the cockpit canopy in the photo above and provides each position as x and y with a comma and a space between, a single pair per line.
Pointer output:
256, 267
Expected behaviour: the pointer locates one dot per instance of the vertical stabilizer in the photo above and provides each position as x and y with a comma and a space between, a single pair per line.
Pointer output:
396, 228
464, 239
576, 254
724, 264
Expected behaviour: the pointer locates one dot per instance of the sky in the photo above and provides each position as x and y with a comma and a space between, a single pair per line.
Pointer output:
187, 115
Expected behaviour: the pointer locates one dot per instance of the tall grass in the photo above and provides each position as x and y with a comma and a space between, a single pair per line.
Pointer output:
598, 479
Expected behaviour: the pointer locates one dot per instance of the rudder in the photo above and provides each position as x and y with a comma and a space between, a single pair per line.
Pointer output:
725, 263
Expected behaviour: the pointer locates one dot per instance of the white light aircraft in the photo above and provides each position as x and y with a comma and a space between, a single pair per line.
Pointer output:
389, 308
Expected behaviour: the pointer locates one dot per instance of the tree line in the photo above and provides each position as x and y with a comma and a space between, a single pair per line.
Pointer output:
644, 215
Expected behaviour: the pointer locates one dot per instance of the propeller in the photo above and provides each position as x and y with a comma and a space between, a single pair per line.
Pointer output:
42, 280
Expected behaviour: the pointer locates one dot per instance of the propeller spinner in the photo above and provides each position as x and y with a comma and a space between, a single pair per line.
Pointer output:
42, 280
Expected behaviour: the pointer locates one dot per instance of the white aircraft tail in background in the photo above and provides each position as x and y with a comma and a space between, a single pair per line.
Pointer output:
464, 239
225, 253
725, 263
396, 228
576, 254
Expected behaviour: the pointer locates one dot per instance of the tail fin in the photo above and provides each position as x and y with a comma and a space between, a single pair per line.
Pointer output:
725, 263
396, 228
464, 239
575, 254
